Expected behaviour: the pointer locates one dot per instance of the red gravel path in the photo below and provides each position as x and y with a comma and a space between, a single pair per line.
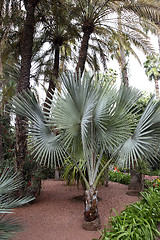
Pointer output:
57, 214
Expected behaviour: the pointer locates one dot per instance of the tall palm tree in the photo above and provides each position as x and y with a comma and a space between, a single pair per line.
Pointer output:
24, 80
59, 32
99, 17
90, 119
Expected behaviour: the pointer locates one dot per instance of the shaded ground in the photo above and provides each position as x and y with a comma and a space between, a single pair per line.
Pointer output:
58, 212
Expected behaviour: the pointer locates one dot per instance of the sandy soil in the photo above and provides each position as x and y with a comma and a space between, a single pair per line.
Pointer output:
58, 212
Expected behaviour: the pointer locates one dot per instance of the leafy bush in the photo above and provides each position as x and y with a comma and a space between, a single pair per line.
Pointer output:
8, 142
138, 220
120, 177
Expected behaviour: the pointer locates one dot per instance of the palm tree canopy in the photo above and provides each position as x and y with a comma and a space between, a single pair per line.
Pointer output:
85, 116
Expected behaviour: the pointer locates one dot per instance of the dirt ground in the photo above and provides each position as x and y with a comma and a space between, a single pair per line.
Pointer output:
58, 212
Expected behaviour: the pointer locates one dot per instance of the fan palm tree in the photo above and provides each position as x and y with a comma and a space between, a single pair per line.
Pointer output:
10, 183
90, 119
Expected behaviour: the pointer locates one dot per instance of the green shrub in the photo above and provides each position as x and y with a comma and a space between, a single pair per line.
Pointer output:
137, 221
8, 143
120, 177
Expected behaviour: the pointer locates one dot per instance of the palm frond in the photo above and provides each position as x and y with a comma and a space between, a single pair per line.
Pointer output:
44, 144
10, 182
143, 144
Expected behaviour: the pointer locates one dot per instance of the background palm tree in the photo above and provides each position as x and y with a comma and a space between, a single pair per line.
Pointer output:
152, 70
24, 80
90, 119
99, 17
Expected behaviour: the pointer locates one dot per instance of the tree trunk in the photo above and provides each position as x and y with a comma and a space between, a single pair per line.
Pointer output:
1, 67
24, 80
136, 181
83, 52
1, 142
52, 81
157, 88
91, 221
123, 66
159, 40
106, 177
123, 63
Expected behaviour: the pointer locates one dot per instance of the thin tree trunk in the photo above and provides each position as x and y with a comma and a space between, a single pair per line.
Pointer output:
106, 177
83, 52
159, 40
91, 220
123, 63
52, 82
157, 88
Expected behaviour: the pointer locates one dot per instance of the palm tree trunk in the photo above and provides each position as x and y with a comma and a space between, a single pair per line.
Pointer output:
1, 67
52, 81
91, 220
123, 63
1, 142
157, 88
123, 66
24, 80
83, 52
136, 181
159, 40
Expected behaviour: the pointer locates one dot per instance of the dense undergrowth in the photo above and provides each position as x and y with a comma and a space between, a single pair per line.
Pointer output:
137, 221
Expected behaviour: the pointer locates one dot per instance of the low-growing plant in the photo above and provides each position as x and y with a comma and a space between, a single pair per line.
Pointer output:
137, 221
10, 183
119, 177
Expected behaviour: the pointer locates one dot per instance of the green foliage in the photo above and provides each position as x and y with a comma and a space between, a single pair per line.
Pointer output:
152, 67
137, 221
119, 177
32, 173
8, 142
109, 76
90, 120
71, 172
142, 102
10, 183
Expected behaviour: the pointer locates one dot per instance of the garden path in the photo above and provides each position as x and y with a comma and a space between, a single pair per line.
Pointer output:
57, 213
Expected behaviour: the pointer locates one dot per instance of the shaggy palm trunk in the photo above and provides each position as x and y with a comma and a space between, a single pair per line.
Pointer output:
157, 88
91, 221
24, 80
136, 181
1, 142
1, 67
83, 52
24, 84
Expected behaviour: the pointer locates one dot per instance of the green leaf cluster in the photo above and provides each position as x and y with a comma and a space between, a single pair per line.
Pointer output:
137, 221
119, 177
10, 183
